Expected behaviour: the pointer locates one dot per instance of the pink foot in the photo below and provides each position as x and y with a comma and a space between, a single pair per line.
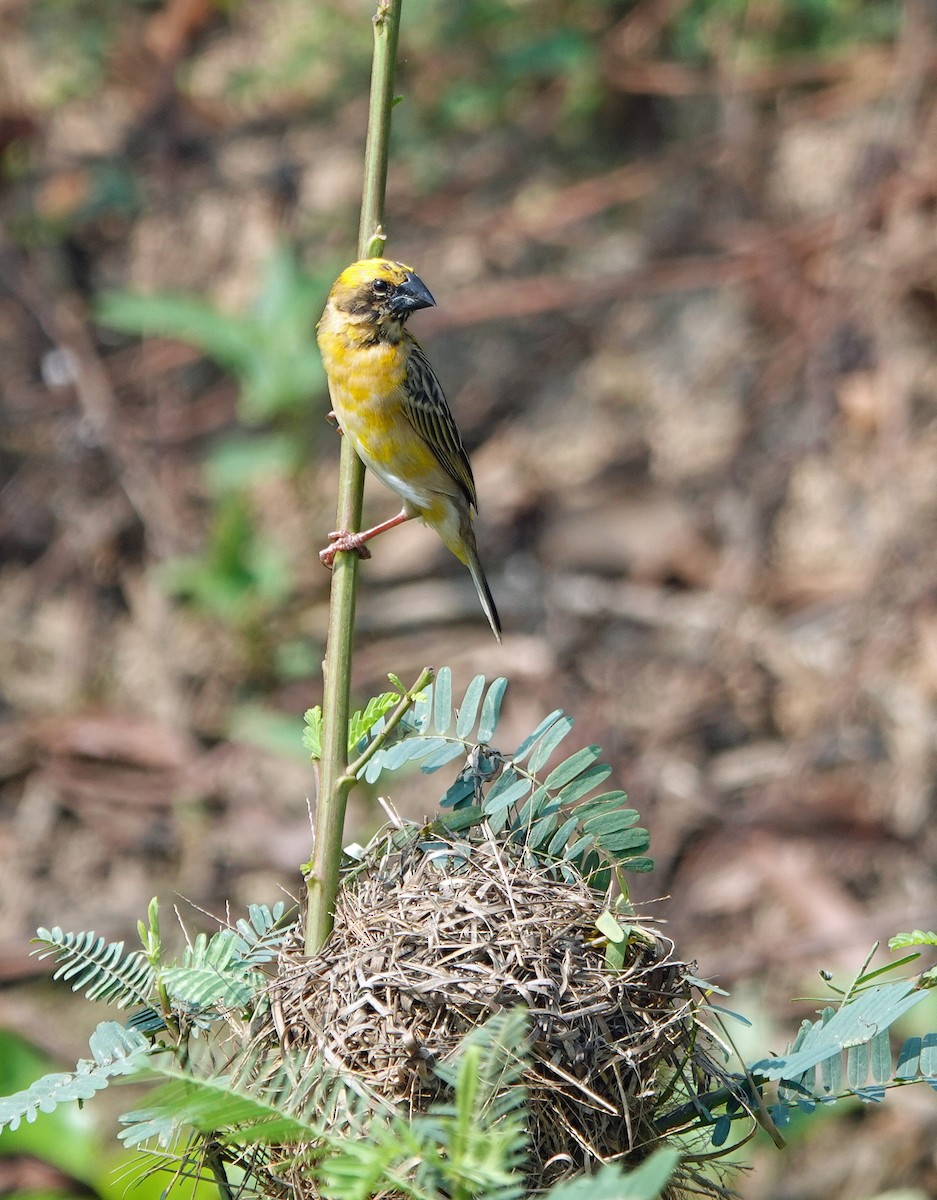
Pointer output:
332, 419
341, 540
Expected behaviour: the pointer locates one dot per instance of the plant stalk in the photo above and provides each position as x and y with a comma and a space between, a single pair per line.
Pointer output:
334, 781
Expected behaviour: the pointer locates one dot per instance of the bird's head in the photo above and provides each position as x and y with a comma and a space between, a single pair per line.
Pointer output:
379, 294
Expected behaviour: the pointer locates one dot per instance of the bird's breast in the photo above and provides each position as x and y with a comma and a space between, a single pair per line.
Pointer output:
366, 386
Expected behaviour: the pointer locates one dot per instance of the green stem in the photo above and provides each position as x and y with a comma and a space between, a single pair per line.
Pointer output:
407, 700
334, 781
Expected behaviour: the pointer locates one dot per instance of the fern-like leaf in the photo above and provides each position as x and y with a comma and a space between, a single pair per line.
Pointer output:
611, 1182
917, 937
215, 972
298, 1102
846, 1052
853, 1024
471, 1146
212, 1106
557, 817
262, 932
97, 967
115, 1051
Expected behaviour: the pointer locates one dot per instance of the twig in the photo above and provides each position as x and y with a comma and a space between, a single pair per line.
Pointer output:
334, 785
407, 700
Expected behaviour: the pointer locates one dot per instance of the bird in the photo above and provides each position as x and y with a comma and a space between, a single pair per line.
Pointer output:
388, 402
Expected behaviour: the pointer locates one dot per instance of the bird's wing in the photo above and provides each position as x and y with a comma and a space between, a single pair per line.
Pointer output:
428, 412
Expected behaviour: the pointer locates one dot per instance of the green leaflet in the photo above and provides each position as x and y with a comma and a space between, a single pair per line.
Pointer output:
115, 1051
612, 1182
96, 967
557, 818
851, 1025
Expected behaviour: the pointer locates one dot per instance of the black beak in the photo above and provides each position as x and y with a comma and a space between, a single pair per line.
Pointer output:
411, 295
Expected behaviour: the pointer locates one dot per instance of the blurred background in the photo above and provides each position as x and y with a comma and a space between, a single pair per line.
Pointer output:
685, 259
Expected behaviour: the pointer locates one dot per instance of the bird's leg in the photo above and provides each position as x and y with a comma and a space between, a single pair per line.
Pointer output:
332, 417
341, 539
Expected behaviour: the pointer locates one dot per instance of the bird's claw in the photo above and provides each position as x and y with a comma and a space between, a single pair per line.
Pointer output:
332, 417
341, 540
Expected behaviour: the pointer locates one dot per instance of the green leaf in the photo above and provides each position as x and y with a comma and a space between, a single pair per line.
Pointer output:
362, 723
241, 461
831, 1075
541, 831
549, 742
610, 1182
67, 1138
117, 1048
241, 573
599, 877
116, 1051
468, 709
445, 754
215, 971
609, 822
442, 700
916, 937
505, 791
424, 747
312, 732
422, 712
374, 767
928, 1060
857, 1065
727, 1012
530, 811
263, 932
562, 836
497, 821
471, 1145
98, 968
226, 338
393, 757
607, 925
909, 1059
880, 1057
853, 1024
721, 1129
579, 847
866, 977
491, 710
530, 741
588, 780
570, 768
607, 802
461, 790
623, 841
216, 1106
616, 954
276, 731
460, 820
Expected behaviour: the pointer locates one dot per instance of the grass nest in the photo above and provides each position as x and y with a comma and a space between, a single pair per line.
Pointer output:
430, 942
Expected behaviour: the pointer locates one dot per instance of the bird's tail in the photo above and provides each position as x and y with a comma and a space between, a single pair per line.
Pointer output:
463, 547
484, 591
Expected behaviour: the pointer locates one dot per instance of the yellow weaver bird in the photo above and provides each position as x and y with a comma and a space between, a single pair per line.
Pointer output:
388, 401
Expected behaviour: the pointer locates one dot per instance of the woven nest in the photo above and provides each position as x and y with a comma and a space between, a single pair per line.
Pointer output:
428, 946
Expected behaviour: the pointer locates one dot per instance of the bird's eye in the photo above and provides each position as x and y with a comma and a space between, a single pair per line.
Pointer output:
380, 287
